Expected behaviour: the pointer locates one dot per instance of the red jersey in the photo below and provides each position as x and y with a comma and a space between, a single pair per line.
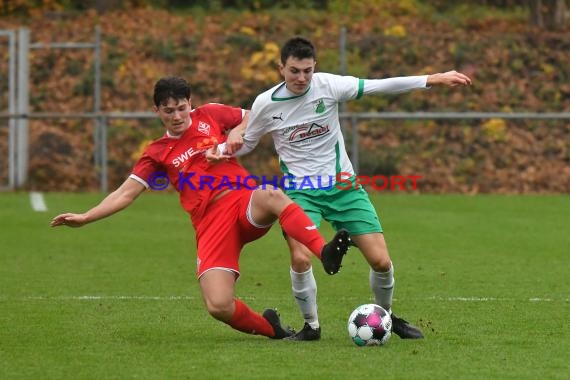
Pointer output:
182, 159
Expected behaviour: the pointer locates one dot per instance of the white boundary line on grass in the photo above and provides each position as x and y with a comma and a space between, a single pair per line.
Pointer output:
193, 298
37, 201
490, 299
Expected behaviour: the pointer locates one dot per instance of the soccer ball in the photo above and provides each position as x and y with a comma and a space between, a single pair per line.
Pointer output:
370, 325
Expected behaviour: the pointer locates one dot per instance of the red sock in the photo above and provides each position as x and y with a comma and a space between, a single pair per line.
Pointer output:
248, 321
300, 227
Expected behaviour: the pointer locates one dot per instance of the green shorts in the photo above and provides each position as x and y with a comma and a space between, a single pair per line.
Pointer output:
349, 209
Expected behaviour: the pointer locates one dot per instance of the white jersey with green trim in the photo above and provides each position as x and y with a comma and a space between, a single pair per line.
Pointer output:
306, 128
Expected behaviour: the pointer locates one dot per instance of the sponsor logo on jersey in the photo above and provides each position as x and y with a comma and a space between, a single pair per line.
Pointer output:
204, 128
305, 132
177, 161
278, 117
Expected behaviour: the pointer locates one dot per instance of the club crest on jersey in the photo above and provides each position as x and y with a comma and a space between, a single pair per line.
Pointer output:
320, 106
204, 128
306, 132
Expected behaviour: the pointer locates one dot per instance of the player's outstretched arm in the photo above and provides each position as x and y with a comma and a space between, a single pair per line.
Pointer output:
116, 201
449, 79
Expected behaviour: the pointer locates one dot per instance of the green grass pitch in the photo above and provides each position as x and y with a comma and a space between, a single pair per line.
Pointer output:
486, 277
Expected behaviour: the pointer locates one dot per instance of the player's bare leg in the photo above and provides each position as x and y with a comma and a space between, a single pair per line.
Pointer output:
266, 205
218, 292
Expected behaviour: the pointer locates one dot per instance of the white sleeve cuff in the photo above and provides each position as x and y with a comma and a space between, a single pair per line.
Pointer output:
221, 148
139, 180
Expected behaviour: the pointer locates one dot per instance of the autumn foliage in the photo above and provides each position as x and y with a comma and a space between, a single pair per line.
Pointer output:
229, 57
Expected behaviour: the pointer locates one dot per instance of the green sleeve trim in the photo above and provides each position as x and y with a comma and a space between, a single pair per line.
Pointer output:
360, 89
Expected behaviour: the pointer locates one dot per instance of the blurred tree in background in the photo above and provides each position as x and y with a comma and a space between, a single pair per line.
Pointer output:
549, 14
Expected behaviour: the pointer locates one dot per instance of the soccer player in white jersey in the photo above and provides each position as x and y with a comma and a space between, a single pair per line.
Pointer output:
301, 114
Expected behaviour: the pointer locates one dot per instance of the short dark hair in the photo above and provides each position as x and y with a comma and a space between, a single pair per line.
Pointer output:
298, 47
170, 87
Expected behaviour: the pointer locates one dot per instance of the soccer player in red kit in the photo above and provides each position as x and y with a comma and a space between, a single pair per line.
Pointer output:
226, 211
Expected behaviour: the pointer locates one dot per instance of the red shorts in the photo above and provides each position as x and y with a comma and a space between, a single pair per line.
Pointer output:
223, 231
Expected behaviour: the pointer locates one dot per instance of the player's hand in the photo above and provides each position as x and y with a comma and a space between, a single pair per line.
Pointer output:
234, 141
449, 79
70, 220
215, 155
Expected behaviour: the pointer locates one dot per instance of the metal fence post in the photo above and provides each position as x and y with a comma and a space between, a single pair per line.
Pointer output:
11, 107
22, 108
100, 121
103, 141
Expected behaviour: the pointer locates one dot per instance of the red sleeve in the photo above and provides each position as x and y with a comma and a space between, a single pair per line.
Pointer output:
227, 117
145, 167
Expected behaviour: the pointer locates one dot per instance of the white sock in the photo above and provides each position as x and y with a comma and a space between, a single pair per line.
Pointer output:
304, 289
382, 285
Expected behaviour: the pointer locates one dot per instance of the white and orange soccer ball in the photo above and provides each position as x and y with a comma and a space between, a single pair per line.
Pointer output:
370, 325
